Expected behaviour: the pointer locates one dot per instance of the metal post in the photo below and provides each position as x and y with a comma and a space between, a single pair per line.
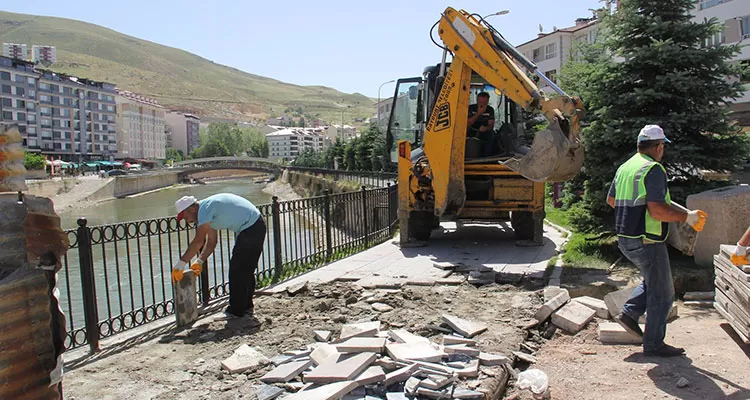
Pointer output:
205, 294
364, 215
88, 285
556, 195
390, 210
327, 217
276, 217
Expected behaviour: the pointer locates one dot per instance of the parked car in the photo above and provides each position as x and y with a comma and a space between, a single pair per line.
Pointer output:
116, 172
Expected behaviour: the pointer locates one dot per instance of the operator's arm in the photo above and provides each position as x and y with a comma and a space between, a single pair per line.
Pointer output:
656, 192
745, 240
198, 241
211, 239
475, 117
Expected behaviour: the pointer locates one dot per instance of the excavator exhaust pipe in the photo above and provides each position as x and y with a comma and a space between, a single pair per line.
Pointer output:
554, 156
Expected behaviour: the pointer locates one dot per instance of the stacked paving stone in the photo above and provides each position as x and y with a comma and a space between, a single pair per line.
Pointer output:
366, 363
733, 292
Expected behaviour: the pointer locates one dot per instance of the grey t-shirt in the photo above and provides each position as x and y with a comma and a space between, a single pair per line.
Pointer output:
656, 186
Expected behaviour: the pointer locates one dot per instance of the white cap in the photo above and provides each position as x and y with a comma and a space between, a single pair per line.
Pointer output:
183, 203
652, 132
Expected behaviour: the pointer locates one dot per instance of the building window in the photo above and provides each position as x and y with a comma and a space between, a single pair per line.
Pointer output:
551, 75
30, 80
20, 91
551, 51
20, 78
4, 75
6, 89
704, 4
7, 115
6, 102
536, 54
20, 104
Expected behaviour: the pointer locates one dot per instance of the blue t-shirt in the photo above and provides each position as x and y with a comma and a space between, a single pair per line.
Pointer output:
227, 211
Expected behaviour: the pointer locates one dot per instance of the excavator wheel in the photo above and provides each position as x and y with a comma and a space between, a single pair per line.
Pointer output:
421, 224
528, 226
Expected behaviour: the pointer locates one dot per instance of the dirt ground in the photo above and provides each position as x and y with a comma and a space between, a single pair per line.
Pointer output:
185, 364
717, 365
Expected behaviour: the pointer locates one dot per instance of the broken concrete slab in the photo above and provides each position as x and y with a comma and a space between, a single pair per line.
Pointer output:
481, 277
381, 307
465, 327
360, 329
399, 375
340, 367
615, 300
595, 304
613, 333
488, 359
551, 291
286, 372
437, 382
325, 392
573, 317
461, 349
528, 358
434, 394
323, 352
296, 288
411, 386
404, 336
444, 265
418, 351
281, 359
322, 336
396, 396
361, 344
370, 375
551, 306
268, 392
466, 394
453, 339
244, 358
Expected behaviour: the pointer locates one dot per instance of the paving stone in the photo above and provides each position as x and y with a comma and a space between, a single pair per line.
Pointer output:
296, 288
434, 394
466, 394
340, 367
411, 386
371, 375
322, 336
326, 392
404, 336
451, 280
573, 317
268, 392
420, 281
244, 358
360, 329
322, 352
437, 382
399, 375
615, 300
281, 359
471, 370
381, 307
613, 333
461, 349
396, 396
595, 304
552, 291
413, 352
388, 363
525, 357
481, 278
444, 265
465, 327
453, 339
286, 372
551, 306
361, 344
488, 359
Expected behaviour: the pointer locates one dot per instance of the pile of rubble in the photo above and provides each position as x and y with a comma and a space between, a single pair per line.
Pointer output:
364, 362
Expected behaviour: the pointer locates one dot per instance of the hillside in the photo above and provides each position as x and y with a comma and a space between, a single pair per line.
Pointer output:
141, 66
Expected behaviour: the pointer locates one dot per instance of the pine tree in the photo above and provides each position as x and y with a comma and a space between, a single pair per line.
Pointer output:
653, 67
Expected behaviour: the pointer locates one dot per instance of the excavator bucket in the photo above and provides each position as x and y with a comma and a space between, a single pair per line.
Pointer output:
553, 156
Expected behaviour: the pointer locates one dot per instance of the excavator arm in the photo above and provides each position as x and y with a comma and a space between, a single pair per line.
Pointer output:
556, 153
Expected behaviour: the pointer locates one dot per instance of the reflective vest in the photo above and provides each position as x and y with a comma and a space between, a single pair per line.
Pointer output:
633, 219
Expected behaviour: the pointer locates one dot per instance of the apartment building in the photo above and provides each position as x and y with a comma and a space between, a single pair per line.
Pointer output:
43, 54
184, 131
63, 116
14, 50
140, 127
287, 143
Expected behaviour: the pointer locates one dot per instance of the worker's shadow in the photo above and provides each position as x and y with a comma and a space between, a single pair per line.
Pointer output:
214, 332
703, 385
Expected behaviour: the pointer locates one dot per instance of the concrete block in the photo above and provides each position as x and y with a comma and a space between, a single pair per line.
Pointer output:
404, 336
613, 333
322, 336
186, 300
461, 349
244, 358
573, 317
286, 372
615, 300
488, 359
322, 352
728, 218
452, 339
371, 375
339, 368
361, 329
406, 352
551, 306
551, 291
399, 375
595, 304
331, 391
361, 344
464, 327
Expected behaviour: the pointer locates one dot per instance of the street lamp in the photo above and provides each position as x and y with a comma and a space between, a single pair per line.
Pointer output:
381, 86
502, 12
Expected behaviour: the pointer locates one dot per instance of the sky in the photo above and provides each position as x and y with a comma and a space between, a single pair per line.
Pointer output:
353, 46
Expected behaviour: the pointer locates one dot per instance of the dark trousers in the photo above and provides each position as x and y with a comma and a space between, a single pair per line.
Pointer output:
245, 255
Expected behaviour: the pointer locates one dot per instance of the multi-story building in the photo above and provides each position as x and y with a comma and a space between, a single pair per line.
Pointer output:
287, 143
140, 127
45, 54
17, 51
184, 131
63, 116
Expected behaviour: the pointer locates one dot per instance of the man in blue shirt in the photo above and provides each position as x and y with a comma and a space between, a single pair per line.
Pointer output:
225, 211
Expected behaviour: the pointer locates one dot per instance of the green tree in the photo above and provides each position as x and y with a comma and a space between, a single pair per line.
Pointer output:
33, 161
301, 123
174, 154
652, 67
309, 158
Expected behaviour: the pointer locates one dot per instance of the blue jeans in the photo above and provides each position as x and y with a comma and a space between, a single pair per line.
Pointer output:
655, 294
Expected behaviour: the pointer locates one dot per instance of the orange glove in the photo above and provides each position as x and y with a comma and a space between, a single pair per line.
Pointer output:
197, 267
178, 270
739, 256
696, 219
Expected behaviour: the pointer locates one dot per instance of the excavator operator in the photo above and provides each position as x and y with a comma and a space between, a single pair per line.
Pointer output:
482, 122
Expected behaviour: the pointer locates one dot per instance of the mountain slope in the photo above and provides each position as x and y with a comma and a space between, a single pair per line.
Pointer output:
141, 66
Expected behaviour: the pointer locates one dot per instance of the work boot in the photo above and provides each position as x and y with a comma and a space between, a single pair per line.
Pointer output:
666, 351
629, 324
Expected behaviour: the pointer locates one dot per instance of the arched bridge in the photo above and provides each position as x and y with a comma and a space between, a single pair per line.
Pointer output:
185, 168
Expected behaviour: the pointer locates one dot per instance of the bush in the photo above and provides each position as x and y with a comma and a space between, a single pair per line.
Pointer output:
33, 161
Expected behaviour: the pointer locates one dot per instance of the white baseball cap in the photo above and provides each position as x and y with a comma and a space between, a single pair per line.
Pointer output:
652, 132
183, 203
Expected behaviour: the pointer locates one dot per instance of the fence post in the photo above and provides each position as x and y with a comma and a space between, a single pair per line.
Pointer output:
364, 215
88, 285
327, 217
276, 217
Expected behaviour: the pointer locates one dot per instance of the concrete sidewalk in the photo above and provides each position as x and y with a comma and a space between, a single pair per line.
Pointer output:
387, 265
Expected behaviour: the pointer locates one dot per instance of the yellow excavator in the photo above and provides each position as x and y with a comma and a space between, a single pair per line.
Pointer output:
445, 175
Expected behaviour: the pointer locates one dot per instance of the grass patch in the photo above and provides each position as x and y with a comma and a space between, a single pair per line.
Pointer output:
556, 215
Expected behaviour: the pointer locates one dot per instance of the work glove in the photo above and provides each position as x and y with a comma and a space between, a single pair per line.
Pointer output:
197, 266
696, 219
178, 270
739, 256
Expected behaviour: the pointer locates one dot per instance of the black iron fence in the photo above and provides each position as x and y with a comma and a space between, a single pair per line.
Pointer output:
366, 178
118, 276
